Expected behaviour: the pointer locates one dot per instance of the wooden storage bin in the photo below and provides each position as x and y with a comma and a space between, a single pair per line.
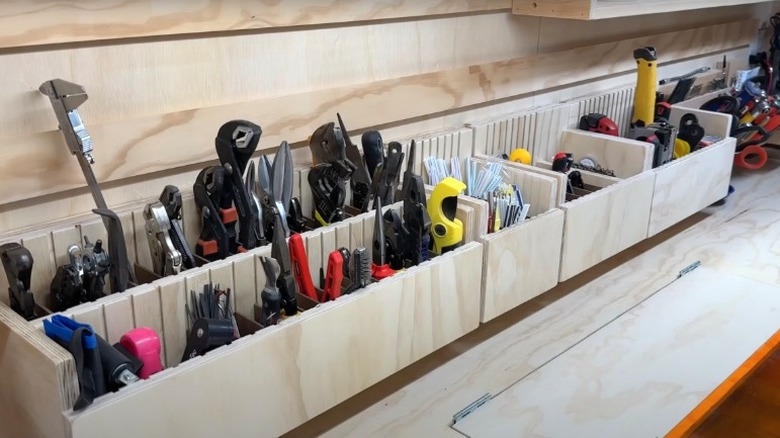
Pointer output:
523, 261
600, 224
267, 382
693, 182
682, 187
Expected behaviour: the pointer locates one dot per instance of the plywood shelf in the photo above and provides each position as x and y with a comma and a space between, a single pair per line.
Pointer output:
600, 9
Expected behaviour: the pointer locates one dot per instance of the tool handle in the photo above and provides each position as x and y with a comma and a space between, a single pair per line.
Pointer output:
207, 334
373, 150
271, 306
116, 366
300, 267
647, 78
335, 276
143, 343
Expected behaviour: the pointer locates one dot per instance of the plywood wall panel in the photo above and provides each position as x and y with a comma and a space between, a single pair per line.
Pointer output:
49, 22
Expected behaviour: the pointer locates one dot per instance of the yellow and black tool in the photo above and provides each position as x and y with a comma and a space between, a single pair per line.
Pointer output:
447, 231
647, 78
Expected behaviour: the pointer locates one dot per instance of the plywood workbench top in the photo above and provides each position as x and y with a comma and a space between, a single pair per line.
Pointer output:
740, 238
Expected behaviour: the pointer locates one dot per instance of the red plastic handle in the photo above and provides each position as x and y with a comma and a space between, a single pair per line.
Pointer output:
300, 267
335, 276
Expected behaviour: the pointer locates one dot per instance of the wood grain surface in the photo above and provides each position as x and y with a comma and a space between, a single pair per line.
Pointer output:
604, 223
521, 263
690, 184
624, 157
578, 9
614, 383
294, 116
52, 22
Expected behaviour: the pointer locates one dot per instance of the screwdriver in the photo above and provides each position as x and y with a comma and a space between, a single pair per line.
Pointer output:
379, 267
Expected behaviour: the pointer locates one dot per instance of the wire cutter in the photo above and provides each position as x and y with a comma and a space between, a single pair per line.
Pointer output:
386, 173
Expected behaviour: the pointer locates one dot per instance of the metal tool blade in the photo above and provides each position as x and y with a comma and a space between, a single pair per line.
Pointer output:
253, 188
281, 176
285, 154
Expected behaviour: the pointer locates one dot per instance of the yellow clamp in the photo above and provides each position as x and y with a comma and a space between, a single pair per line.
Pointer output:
447, 231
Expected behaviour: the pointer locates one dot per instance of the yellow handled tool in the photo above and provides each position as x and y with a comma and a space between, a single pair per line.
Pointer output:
646, 80
447, 231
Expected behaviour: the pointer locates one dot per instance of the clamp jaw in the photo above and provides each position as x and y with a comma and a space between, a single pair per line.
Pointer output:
65, 98
18, 263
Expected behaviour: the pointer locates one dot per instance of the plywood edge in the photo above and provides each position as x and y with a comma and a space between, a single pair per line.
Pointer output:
611, 9
293, 117
38, 379
573, 9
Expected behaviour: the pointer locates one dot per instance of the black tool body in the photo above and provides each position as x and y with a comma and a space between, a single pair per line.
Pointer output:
360, 180
18, 263
236, 141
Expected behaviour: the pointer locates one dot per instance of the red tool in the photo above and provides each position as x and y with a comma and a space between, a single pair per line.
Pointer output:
334, 278
143, 343
663, 110
300, 267
595, 122
562, 162
753, 157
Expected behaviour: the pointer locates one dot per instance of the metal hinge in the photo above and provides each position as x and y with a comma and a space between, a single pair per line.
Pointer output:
463, 413
689, 268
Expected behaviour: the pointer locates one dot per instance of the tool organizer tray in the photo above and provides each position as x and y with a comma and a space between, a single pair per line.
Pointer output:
273, 379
